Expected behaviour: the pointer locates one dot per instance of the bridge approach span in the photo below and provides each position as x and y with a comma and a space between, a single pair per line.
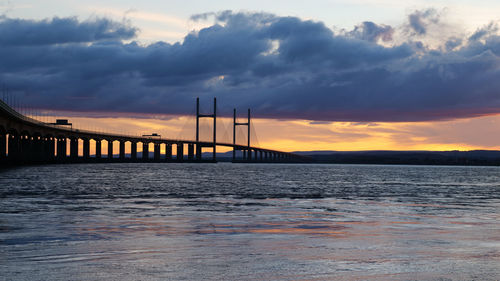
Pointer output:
24, 140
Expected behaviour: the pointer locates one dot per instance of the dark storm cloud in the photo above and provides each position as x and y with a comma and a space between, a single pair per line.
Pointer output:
61, 30
282, 67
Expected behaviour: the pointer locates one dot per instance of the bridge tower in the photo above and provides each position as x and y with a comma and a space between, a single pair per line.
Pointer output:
198, 116
234, 135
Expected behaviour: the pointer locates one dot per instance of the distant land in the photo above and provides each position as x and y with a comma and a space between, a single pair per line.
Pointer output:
420, 157
473, 157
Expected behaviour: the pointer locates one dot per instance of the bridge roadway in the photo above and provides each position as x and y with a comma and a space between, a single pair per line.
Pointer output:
24, 140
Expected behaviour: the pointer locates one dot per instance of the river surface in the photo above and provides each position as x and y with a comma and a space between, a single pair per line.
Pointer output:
249, 222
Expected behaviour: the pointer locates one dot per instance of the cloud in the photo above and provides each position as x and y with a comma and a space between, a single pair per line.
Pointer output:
373, 32
21, 32
488, 30
419, 21
281, 67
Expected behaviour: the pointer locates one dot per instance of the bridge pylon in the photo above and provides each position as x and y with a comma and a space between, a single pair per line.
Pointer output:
245, 155
198, 116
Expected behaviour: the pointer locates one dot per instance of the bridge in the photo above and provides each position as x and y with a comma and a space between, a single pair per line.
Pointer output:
25, 140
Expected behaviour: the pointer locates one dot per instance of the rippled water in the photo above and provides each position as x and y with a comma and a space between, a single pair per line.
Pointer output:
247, 222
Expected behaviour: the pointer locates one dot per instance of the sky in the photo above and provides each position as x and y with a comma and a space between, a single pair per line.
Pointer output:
318, 75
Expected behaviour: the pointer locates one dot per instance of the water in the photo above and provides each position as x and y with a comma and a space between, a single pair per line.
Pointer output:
249, 222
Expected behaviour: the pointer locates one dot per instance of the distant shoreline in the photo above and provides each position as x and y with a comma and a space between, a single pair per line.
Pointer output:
450, 158
389, 157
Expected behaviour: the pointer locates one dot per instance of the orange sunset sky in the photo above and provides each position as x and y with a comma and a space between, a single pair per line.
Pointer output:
303, 135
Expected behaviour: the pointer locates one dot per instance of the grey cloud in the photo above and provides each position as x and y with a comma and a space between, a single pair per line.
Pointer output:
281, 67
420, 20
373, 32
490, 29
452, 43
61, 30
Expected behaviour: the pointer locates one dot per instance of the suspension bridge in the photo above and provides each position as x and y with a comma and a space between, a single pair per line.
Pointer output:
27, 140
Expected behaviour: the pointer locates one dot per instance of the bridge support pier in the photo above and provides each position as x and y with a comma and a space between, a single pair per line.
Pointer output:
3, 147
26, 149
157, 151
73, 149
46, 156
249, 155
122, 150
36, 149
61, 148
190, 152
14, 147
145, 151
180, 152
98, 149
86, 149
43, 150
133, 151
198, 152
110, 150
52, 148
168, 152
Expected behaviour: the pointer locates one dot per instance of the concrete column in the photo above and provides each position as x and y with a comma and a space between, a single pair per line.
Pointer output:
190, 151
98, 149
274, 156
14, 147
26, 149
73, 148
39, 149
249, 155
180, 152
42, 149
50, 148
260, 155
40, 146
61, 148
168, 152
122, 150
198, 152
244, 154
133, 150
86, 149
110, 150
157, 151
3, 146
33, 149
145, 151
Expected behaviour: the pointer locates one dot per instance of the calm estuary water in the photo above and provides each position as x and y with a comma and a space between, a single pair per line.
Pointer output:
249, 222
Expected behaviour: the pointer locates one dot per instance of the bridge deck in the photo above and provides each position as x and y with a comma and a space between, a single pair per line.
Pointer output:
25, 134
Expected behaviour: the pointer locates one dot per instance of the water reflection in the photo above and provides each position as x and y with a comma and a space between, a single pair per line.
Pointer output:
266, 222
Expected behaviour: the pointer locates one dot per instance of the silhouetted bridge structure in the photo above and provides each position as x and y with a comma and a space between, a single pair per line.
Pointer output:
24, 140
